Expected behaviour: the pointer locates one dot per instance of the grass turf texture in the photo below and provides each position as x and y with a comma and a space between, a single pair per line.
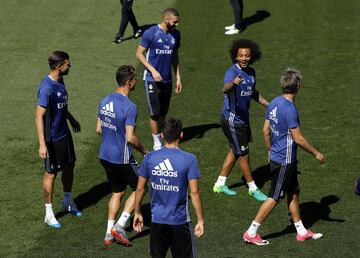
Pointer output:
318, 37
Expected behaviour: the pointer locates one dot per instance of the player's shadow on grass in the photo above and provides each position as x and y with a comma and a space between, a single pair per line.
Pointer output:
311, 212
197, 131
92, 196
259, 16
142, 28
261, 175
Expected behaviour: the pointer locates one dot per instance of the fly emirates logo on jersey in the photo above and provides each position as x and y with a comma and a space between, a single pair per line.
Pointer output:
61, 105
165, 51
164, 171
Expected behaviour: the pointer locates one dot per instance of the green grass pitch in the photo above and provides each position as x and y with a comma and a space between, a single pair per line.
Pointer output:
320, 38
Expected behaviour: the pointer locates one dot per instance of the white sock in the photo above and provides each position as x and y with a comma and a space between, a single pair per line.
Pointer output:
110, 224
300, 228
67, 198
253, 228
157, 139
252, 186
49, 210
123, 219
221, 181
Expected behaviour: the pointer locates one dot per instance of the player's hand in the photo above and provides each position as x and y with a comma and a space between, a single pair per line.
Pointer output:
156, 75
138, 224
237, 80
43, 152
199, 229
75, 125
179, 87
320, 157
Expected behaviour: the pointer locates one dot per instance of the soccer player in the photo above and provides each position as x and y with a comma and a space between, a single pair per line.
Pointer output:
158, 51
238, 26
171, 172
282, 135
127, 15
55, 142
239, 89
116, 123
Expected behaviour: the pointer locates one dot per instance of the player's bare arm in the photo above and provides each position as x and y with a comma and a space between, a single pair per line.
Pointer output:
176, 66
98, 126
267, 137
303, 143
39, 122
228, 86
259, 98
73, 122
140, 55
196, 202
133, 140
139, 195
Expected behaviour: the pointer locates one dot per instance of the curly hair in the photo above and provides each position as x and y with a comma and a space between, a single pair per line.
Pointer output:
245, 43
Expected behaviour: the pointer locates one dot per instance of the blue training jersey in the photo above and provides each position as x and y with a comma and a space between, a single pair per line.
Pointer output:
53, 96
160, 47
116, 111
237, 100
169, 171
282, 115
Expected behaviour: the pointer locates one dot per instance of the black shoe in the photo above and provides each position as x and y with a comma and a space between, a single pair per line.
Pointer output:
117, 40
137, 34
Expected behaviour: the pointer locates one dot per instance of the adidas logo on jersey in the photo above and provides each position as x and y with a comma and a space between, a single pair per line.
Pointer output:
272, 115
159, 41
108, 110
164, 169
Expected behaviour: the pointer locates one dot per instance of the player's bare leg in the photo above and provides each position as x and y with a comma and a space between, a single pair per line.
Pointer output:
220, 185
155, 128
254, 191
48, 186
302, 233
118, 230
251, 236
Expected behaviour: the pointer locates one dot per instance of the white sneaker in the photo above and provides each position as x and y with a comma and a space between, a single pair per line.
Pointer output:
232, 32
230, 27
52, 221
71, 208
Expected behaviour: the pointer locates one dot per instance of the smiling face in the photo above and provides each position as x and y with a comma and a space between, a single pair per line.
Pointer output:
243, 57
171, 21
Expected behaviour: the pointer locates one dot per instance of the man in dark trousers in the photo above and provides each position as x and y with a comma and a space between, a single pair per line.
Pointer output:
127, 15
238, 7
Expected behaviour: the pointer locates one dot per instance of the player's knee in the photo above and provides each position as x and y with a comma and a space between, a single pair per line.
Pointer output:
244, 156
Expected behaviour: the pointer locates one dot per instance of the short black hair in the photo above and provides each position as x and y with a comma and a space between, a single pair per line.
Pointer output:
57, 58
125, 73
172, 129
245, 43
171, 11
